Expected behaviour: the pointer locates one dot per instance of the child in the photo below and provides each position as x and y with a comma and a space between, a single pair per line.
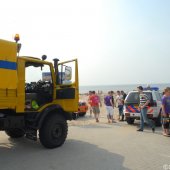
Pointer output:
166, 111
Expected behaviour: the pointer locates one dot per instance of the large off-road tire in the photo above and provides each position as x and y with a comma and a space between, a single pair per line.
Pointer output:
53, 132
158, 121
15, 133
130, 121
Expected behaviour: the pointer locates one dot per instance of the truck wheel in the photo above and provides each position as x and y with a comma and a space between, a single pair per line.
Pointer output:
158, 121
53, 132
15, 133
130, 121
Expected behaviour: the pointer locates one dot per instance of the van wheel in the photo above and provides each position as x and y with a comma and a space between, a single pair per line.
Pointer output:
158, 121
130, 121
53, 132
15, 133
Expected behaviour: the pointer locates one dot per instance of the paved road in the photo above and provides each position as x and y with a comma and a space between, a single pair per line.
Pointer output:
90, 146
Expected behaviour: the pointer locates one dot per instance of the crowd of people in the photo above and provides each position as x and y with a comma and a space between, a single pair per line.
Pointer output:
111, 100
95, 103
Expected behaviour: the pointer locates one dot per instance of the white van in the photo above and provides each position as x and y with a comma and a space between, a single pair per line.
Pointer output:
131, 110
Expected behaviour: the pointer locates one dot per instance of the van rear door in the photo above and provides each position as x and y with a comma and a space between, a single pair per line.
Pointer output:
132, 102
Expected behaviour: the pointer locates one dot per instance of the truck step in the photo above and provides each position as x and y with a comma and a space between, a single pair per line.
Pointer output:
32, 135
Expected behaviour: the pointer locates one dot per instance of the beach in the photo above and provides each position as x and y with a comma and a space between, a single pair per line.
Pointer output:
90, 146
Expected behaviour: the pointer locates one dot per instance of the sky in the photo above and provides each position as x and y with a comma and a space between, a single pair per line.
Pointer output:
115, 41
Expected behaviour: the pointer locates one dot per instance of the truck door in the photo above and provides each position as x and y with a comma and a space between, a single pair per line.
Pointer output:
67, 86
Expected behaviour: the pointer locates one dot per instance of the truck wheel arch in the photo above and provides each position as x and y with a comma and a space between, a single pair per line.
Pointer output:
51, 110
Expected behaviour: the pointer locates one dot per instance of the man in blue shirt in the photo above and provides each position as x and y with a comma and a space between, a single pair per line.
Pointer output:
166, 111
109, 107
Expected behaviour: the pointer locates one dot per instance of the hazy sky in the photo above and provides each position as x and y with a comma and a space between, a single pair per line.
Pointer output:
115, 41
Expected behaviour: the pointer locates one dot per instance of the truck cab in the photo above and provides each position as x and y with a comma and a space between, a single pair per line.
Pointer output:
36, 95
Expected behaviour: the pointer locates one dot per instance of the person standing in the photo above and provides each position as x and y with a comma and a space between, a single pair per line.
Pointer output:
95, 102
124, 97
89, 102
144, 101
109, 107
166, 111
113, 101
119, 99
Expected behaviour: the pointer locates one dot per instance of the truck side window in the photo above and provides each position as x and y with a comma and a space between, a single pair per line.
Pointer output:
158, 97
66, 73
35, 74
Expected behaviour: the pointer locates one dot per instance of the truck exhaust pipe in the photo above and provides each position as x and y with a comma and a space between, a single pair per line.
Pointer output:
56, 60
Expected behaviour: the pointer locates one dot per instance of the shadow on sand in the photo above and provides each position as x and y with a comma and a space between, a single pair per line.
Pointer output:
23, 154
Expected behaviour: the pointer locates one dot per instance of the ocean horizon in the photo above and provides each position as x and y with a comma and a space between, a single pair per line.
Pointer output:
125, 87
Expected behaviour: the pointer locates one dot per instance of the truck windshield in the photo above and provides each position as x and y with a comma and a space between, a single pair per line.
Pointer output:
35, 74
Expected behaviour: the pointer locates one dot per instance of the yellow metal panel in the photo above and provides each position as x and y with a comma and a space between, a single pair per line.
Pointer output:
8, 74
8, 51
68, 105
8, 79
8, 98
21, 86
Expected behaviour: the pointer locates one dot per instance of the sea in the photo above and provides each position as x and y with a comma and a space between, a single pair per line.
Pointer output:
124, 87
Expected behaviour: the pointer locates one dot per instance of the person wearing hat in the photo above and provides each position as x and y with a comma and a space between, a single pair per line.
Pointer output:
143, 103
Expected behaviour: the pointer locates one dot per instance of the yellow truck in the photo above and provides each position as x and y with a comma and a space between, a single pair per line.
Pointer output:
36, 96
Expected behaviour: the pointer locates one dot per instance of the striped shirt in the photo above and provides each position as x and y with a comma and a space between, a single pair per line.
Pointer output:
143, 99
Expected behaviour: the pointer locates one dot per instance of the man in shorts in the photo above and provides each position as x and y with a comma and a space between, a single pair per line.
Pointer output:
95, 102
166, 111
109, 107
